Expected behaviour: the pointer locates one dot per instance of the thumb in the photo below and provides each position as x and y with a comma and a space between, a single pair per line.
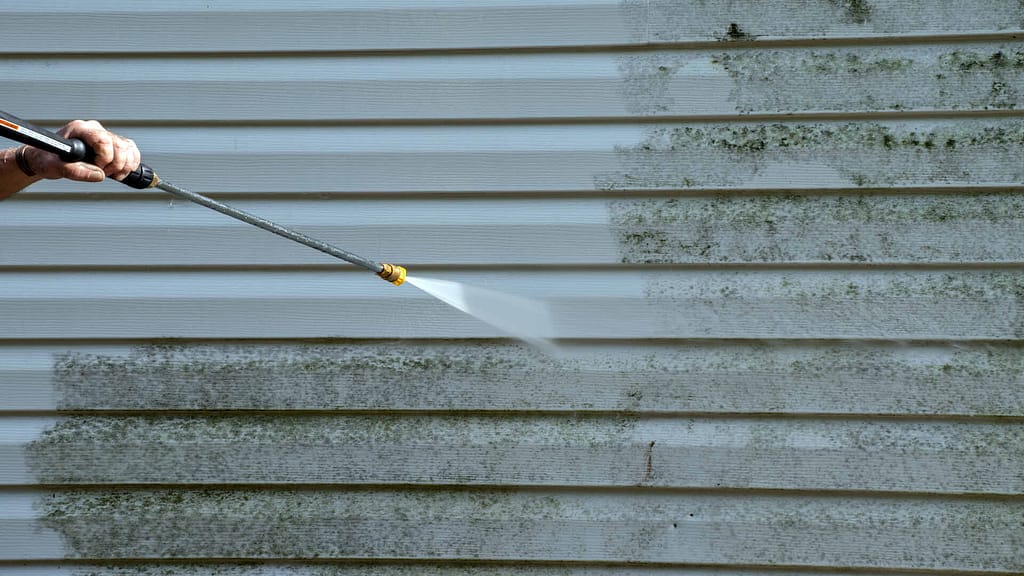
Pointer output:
83, 172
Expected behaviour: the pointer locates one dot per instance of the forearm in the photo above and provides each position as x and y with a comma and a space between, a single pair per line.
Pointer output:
12, 179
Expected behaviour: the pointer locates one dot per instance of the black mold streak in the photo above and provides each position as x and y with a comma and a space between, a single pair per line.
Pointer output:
735, 34
648, 464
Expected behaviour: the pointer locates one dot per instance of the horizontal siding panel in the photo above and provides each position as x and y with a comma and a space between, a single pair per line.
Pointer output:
239, 26
812, 531
629, 304
26, 378
948, 228
405, 568
834, 455
507, 86
544, 158
450, 231
956, 379
818, 155
779, 229
405, 24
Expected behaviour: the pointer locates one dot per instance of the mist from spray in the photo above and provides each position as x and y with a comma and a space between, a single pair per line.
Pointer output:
523, 318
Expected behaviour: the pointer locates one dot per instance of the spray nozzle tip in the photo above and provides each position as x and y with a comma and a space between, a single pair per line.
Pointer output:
392, 273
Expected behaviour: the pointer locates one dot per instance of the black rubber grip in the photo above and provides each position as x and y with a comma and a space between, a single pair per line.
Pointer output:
142, 177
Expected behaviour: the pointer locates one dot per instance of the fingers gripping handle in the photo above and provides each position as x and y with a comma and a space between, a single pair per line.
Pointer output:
142, 177
69, 150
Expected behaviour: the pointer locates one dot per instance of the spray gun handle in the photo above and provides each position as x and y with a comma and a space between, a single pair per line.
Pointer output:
68, 149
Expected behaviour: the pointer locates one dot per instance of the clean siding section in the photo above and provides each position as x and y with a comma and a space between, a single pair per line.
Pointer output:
781, 247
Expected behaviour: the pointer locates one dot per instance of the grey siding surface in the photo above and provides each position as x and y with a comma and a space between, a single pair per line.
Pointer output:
782, 245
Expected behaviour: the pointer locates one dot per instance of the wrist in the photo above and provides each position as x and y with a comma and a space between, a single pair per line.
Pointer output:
22, 163
12, 178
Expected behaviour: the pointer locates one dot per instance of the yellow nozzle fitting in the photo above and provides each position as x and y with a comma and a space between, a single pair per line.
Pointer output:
392, 273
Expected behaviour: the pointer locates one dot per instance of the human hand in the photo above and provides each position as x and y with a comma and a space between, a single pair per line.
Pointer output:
116, 156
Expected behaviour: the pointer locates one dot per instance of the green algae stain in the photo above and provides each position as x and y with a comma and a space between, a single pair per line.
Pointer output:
1001, 70
315, 376
792, 80
872, 79
864, 154
968, 61
347, 568
490, 525
259, 449
301, 523
647, 79
856, 11
853, 63
796, 228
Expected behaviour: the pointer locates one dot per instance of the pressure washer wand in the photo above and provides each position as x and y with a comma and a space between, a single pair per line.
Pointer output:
75, 150
390, 272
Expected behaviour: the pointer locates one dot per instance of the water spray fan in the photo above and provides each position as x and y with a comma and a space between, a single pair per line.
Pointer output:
75, 150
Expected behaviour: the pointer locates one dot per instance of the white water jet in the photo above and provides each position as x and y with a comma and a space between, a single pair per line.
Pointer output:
523, 318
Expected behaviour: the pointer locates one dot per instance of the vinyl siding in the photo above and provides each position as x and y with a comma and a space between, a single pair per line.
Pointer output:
781, 246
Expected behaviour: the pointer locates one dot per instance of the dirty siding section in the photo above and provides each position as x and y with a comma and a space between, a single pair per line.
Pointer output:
782, 245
